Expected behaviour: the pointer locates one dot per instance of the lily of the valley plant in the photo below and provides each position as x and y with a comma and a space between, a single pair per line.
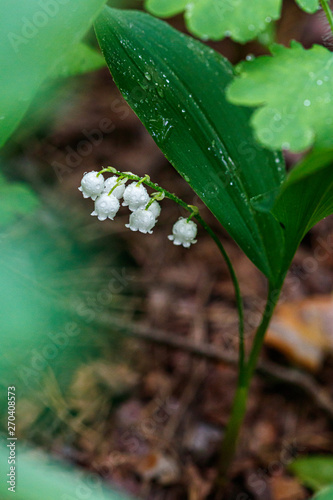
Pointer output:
196, 107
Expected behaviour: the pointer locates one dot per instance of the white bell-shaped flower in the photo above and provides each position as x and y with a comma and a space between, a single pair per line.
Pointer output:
110, 183
106, 207
135, 196
184, 233
91, 185
155, 209
142, 220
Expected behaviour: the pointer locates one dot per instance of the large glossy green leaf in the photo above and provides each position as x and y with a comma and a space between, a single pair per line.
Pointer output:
316, 472
305, 198
176, 86
35, 36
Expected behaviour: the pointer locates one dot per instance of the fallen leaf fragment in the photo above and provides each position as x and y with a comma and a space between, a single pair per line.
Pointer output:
159, 467
303, 331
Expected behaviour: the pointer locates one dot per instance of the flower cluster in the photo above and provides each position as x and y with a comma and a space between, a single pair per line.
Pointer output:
145, 210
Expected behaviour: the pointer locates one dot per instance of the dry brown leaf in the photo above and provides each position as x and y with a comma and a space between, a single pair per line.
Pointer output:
303, 331
286, 488
160, 467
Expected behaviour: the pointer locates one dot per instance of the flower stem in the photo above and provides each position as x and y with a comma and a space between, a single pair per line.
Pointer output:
147, 182
272, 300
328, 13
229, 442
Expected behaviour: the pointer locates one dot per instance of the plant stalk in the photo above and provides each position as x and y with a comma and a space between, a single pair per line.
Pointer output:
229, 442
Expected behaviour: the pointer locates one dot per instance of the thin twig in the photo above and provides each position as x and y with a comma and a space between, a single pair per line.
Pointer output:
290, 376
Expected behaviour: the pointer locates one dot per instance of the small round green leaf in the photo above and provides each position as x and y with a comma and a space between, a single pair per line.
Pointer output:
309, 6
294, 89
240, 19
316, 472
324, 494
166, 8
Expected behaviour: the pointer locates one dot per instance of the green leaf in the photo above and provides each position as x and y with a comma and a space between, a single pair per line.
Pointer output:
166, 8
304, 199
35, 36
301, 114
309, 6
176, 86
325, 494
79, 59
15, 200
240, 19
315, 472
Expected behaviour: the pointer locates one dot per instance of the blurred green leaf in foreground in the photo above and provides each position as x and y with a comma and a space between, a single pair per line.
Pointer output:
41, 478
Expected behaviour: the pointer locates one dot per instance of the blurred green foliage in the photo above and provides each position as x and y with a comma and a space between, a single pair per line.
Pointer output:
41, 478
15, 199
35, 37
52, 287
315, 472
